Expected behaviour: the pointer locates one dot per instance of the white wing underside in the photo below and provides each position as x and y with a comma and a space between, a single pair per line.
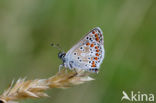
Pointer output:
88, 53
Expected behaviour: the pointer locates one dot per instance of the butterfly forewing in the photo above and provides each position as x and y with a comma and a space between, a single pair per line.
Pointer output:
88, 53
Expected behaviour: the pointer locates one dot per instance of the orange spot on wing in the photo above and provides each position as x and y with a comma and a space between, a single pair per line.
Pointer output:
96, 35
96, 47
92, 45
97, 50
93, 64
93, 32
97, 54
97, 39
96, 58
87, 44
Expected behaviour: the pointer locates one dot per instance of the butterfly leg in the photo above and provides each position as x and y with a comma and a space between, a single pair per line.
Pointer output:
60, 67
71, 67
75, 71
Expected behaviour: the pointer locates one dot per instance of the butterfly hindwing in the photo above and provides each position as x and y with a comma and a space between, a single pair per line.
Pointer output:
88, 53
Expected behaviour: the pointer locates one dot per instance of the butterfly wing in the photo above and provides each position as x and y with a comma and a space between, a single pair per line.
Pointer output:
88, 53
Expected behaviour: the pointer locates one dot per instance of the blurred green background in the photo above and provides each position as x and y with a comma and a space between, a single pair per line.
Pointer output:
27, 27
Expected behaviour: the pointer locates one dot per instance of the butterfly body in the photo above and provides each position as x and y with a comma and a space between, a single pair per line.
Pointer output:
87, 54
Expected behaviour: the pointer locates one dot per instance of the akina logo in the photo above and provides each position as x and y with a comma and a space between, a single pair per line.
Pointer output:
137, 96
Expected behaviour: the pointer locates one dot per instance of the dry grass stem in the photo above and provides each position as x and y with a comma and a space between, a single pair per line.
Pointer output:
24, 89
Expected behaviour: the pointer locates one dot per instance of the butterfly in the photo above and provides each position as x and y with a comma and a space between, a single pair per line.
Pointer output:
87, 54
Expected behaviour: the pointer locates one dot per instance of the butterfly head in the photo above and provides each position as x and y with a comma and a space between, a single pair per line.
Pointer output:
61, 55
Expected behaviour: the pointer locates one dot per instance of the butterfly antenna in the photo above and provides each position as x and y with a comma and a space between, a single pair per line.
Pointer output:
57, 46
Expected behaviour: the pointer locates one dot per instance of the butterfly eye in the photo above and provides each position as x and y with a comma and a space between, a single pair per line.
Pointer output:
74, 53
61, 55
